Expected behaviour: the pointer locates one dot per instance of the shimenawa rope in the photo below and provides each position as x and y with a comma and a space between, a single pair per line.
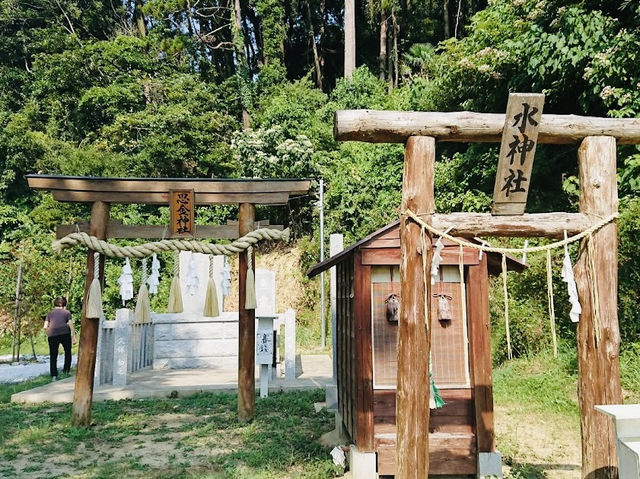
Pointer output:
147, 249
535, 249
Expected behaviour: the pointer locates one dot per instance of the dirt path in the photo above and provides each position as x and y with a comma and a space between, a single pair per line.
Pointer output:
536, 445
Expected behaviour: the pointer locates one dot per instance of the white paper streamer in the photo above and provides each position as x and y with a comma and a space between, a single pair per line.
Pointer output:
567, 277
435, 262
126, 282
193, 282
154, 280
338, 457
225, 279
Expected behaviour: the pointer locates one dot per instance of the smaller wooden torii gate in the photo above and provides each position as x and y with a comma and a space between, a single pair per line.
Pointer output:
101, 192
598, 336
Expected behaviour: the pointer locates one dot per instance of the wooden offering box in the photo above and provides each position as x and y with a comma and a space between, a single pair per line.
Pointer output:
368, 277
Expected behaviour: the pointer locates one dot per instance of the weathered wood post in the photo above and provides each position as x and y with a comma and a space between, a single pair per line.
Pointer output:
83, 391
246, 323
598, 329
414, 337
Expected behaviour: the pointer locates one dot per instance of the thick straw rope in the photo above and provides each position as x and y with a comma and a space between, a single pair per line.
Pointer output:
536, 249
593, 278
147, 249
427, 313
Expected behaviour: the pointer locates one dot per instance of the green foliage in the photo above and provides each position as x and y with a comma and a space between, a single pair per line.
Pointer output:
272, 155
629, 270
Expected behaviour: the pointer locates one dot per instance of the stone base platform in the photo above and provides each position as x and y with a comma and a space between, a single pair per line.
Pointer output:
314, 371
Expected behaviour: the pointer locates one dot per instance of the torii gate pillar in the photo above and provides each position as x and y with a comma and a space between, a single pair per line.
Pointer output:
246, 323
598, 329
83, 390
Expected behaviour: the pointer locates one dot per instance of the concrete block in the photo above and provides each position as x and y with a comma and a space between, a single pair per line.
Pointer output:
211, 330
489, 465
265, 292
121, 349
363, 465
290, 345
331, 397
223, 363
194, 348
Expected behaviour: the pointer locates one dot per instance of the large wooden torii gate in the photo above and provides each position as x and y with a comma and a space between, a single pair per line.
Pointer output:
598, 342
101, 192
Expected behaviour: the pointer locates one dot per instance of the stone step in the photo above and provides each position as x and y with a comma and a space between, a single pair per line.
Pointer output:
226, 363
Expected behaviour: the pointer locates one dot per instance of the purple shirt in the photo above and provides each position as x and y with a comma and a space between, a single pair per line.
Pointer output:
58, 319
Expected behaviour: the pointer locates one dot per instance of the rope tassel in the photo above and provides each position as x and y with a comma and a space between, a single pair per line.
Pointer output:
250, 296
175, 293
143, 306
211, 308
94, 299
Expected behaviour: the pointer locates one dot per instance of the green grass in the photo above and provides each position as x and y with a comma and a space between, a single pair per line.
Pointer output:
7, 390
542, 382
193, 437
629, 368
543, 389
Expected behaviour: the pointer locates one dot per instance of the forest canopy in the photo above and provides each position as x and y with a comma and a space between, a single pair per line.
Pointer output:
215, 88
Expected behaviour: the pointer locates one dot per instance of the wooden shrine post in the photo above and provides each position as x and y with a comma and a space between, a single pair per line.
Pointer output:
246, 324
414, 337
83, 391
598, 329
479, 341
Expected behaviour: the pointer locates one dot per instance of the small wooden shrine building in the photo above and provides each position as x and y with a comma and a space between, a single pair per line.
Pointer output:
368, 278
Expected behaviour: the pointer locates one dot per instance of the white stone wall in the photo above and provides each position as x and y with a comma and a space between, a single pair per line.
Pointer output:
189, 340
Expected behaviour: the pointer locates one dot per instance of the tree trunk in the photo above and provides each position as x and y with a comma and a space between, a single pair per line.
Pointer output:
349, 37
15, 340
316, 56
323, 14
33, 347
242, 66
598, 331
396, 32
445, 19
382, 59
138, 15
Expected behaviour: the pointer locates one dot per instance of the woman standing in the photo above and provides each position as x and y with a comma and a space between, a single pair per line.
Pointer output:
59, 328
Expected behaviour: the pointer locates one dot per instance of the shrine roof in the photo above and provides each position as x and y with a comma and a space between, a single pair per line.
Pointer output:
87, 189
494, 260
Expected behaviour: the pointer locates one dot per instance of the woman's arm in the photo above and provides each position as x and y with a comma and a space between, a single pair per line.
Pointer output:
72, 327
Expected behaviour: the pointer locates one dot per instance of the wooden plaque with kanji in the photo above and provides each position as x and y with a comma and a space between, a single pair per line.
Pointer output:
182, 206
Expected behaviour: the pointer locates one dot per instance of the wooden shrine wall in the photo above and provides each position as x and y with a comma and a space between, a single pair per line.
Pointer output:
347, 390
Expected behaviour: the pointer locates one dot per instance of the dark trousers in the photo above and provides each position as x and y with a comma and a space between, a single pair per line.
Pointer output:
54, 344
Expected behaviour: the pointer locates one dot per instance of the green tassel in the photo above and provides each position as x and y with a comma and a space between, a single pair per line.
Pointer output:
435, 400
